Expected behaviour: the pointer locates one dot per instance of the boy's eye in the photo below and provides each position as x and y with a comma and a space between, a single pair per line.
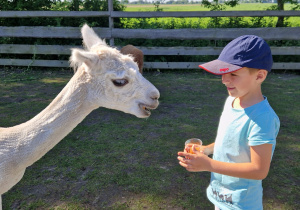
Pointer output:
233, 75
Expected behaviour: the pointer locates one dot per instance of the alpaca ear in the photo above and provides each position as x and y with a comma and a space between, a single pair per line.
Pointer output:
80, 57
90, 38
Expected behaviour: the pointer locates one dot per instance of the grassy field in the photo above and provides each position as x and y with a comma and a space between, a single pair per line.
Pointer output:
114, 160
197, 7
204, 22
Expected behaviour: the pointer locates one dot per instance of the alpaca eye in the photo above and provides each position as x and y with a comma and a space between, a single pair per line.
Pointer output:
120, 82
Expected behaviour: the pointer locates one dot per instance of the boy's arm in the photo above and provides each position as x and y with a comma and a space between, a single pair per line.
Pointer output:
209, 149
258, 168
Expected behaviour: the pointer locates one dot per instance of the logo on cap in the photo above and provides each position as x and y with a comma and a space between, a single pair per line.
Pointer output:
225, 69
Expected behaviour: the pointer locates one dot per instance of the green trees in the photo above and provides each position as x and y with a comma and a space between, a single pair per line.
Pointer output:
24, 5
30, 5
280, 6
57, 5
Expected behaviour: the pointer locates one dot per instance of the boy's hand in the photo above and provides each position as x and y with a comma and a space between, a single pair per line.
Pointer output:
190, 148
257, 169
208, 150
194, 162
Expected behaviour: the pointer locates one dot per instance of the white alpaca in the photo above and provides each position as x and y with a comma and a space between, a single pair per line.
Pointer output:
104, 78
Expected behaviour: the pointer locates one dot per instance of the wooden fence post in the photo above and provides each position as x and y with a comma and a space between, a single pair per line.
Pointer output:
111, 21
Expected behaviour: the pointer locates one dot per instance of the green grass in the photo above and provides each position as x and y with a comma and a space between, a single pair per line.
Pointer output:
205, 22
114, 160
197, 7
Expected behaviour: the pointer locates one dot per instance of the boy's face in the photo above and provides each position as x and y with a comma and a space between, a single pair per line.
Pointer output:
243, 83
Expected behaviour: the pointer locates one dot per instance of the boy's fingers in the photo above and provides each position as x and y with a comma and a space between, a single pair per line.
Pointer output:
186, 154
182, 159
194, 148
183, 164
197, 149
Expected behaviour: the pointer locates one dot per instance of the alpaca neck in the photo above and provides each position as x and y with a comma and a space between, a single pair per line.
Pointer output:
45, 130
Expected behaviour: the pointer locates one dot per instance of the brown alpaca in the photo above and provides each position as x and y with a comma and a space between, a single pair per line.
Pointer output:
137, 54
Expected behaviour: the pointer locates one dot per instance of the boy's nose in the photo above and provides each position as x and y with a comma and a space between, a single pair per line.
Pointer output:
225, 79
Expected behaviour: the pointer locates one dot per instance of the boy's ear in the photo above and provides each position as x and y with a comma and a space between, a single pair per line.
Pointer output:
261, 75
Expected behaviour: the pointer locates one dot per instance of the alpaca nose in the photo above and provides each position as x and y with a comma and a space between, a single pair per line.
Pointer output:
154, 95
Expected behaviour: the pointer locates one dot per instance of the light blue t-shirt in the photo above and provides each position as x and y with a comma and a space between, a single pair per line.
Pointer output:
238, 130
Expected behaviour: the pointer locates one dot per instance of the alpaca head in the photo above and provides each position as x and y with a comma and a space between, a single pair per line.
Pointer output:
114, 80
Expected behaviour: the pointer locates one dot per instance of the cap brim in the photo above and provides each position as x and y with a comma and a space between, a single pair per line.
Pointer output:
219, 67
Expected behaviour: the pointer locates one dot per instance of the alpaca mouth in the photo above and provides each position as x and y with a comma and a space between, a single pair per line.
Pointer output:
146, 109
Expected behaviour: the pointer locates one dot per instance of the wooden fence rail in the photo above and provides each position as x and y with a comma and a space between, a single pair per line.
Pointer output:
288, 33
118, 14
182, 34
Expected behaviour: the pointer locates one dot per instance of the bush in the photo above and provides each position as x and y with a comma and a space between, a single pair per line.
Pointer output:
54, 5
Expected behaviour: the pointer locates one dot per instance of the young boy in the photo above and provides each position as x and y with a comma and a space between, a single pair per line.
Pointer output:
247, 130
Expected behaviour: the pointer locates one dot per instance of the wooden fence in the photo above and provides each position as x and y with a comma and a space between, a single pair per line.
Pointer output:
291, 33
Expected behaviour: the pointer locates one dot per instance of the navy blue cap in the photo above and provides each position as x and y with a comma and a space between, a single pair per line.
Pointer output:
245, 51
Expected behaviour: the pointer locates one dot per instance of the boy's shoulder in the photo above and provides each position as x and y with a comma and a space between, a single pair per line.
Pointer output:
262, 112
262, 109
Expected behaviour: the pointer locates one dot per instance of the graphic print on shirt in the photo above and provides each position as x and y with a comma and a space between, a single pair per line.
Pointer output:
222, 196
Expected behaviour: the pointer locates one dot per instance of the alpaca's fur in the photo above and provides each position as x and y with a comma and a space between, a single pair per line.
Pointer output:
104, 78
137, 54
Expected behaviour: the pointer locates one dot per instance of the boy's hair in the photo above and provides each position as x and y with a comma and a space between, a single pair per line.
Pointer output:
253, 70
245, 51
262, 77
